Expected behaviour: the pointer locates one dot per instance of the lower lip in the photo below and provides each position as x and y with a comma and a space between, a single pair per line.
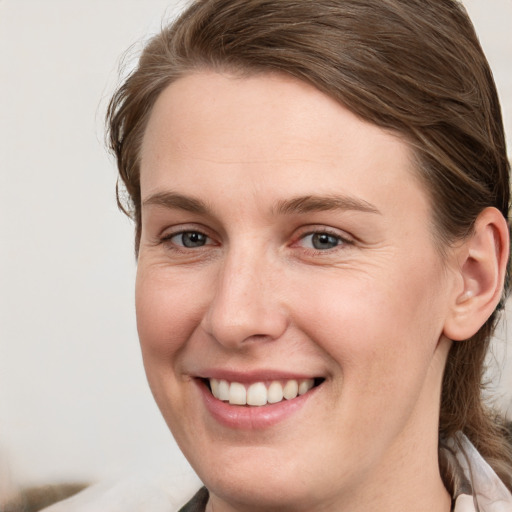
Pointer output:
252, 417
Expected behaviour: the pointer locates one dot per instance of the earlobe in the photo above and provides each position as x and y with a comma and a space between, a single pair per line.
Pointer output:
482, 266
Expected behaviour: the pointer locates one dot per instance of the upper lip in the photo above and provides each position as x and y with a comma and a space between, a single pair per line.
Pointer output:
253, 375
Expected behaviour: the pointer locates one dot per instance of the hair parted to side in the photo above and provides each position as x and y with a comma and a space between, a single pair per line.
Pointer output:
412, 66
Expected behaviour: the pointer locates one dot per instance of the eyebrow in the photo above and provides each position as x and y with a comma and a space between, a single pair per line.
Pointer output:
296, 205
172, 200
311, 203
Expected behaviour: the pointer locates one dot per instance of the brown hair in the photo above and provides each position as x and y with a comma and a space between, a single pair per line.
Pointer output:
413, 66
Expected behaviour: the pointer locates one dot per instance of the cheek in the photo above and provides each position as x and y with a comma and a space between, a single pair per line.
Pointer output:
381, 330
169, 307
168, 310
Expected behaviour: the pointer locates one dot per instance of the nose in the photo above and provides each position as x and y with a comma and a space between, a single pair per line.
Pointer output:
246, 305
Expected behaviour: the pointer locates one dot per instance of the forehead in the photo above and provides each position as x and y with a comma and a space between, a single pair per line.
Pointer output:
272, 132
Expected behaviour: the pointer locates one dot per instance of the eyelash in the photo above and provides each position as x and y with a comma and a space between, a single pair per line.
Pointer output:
167, 239
341, 240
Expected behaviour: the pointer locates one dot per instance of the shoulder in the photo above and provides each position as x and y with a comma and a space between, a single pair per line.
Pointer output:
137, 493
198, 502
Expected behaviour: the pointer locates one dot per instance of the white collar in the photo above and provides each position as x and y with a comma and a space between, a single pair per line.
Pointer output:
489, 493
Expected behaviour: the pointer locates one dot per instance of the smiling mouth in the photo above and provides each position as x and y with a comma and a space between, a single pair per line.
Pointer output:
260, 393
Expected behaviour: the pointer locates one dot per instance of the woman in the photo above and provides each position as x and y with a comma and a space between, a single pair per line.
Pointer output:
320, 193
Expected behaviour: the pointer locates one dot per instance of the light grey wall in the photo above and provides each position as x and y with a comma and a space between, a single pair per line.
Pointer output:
73, 398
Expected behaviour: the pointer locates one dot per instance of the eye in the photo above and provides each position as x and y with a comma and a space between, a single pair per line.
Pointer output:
321, 241
189, 239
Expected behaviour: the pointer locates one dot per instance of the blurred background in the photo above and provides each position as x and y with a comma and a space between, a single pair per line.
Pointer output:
74, 403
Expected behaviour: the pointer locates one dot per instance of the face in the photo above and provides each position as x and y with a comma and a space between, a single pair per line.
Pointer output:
286, 248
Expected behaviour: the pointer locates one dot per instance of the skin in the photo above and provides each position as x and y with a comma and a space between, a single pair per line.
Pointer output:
366, 313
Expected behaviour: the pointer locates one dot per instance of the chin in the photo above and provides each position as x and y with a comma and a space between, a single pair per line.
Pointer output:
265, 477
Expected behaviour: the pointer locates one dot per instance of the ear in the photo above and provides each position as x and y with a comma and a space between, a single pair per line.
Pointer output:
482, 262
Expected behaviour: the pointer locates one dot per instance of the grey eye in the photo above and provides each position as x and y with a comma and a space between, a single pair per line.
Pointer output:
323, 241
190, 239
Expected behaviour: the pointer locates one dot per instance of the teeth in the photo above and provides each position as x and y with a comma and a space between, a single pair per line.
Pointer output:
237, 394
257, 394
223, 390
305, 386
291, 389
275, 393
214, 384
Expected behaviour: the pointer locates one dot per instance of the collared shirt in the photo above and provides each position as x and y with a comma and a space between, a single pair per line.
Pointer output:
474, 485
